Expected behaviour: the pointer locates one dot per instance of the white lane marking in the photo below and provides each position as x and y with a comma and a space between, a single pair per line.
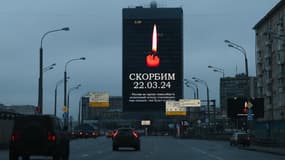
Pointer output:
207, 154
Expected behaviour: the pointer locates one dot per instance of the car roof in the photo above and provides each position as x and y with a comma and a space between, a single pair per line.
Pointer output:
36, 116
125, 129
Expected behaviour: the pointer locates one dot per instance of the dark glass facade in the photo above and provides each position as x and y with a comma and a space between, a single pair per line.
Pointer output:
147, 88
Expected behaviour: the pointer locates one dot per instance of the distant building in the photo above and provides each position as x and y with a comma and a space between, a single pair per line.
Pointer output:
238, 86
270, 62
97, 113
21, 109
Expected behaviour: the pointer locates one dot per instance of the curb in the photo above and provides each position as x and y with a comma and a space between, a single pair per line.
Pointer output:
263, 150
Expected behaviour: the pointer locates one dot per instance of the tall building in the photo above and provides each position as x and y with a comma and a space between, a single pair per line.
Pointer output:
152, 57
270, 62
238, 86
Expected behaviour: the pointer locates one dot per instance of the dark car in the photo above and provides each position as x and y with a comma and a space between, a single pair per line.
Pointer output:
240, 138
110, 133
86, 131
39, 135
126, 137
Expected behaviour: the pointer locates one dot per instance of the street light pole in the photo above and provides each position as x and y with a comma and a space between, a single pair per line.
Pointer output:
65, 88
55, 95
216, 69
40, 88
189, 86
208, 98
50, 67
69, 91
242, 50
194, 84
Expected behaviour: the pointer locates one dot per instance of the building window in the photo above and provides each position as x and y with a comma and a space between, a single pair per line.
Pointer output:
260, 91
270, 100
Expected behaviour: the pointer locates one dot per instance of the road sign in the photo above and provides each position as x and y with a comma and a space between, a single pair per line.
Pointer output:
64, 109
145, 122
173, 108
98, 99
190, 102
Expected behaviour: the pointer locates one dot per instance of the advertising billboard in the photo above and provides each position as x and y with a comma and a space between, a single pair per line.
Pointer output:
253, 107
152, 58
173, 108
98, 99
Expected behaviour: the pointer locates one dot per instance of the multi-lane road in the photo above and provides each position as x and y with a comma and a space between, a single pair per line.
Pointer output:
155, 148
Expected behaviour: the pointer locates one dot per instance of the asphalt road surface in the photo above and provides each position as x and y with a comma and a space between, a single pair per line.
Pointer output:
156, 148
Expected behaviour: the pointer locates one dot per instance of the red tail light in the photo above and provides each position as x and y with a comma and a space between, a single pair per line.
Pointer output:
14, 137
51, 137
115, 133
135, 135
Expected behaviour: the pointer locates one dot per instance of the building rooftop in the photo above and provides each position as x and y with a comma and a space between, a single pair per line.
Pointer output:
269, 14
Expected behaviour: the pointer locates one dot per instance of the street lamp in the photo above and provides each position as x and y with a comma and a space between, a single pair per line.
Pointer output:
242, 50
216, 69
208, 100
65, 86
187, 84
69, 91
194, 84
55, 94
50, 67
40, 89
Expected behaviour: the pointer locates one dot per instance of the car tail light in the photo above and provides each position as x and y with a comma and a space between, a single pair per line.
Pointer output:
51, 137
80, 133
135, 135
14, 137
115, 134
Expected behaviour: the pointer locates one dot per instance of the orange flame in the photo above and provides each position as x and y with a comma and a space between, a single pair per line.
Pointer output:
154, 40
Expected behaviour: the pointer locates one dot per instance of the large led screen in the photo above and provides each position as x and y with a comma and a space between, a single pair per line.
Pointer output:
152, 62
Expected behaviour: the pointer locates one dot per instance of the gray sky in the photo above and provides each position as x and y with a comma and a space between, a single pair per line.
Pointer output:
96, 33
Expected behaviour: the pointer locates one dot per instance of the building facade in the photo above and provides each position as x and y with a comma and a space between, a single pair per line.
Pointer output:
113, 111
152, 57
270, 62
238, 86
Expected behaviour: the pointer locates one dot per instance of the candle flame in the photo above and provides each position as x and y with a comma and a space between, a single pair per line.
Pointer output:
154, 40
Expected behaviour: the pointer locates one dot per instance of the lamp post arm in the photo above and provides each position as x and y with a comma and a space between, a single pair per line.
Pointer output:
56, 30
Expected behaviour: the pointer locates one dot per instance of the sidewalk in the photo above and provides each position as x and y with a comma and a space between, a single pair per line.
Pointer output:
272, 150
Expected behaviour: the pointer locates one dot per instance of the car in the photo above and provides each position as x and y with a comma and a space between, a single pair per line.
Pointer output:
39, 135
126, 137
86, 131
240, 138
109, 133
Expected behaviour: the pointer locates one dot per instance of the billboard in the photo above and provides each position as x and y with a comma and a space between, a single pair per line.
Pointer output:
241, 106
173, 108
152, 58
98, 99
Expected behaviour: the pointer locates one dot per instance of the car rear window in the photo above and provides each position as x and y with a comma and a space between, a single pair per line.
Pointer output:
23, 122
125, 132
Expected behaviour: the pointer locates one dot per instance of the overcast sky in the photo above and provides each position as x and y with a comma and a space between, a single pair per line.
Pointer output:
96, 33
